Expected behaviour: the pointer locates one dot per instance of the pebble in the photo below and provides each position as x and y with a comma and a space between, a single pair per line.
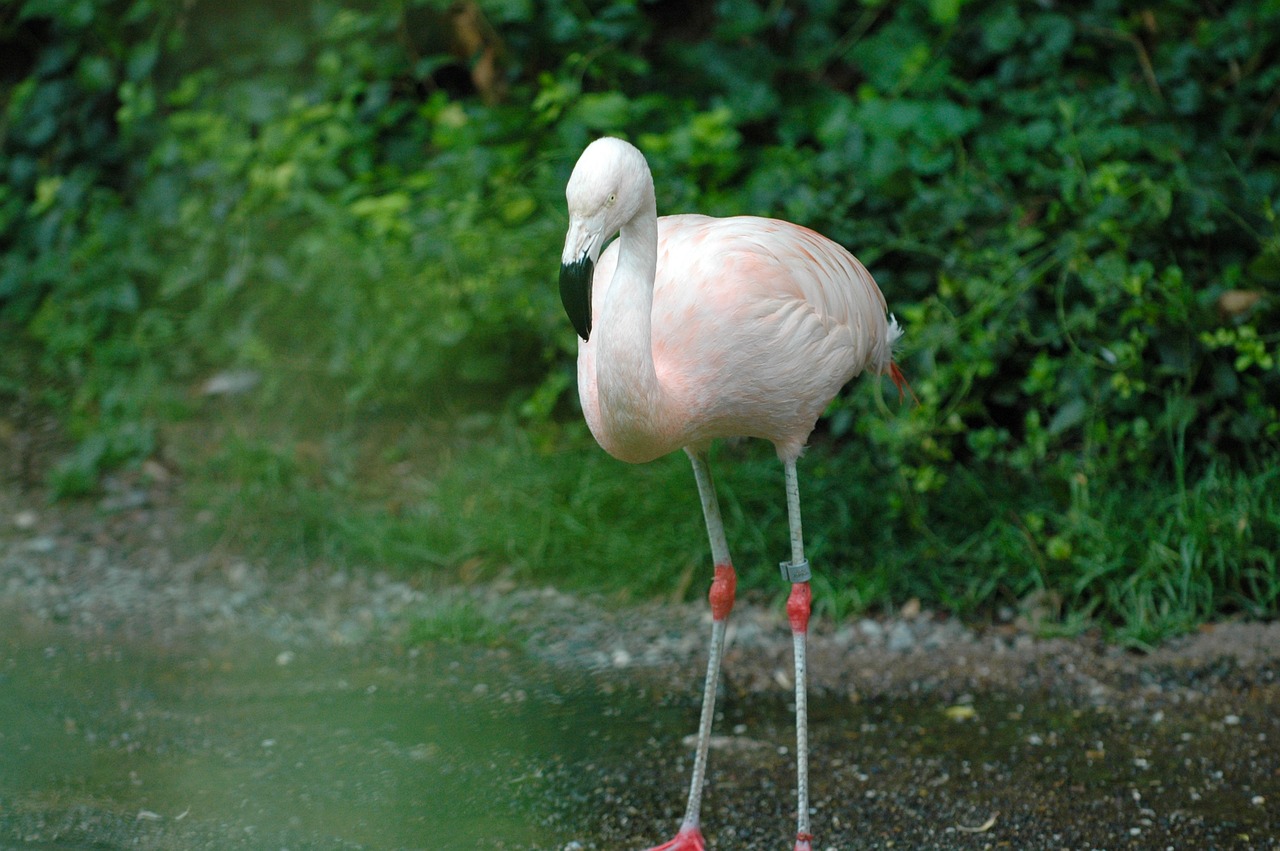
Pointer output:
901, 638
871, 630
42, 545
124, 500
845, 636
231, 382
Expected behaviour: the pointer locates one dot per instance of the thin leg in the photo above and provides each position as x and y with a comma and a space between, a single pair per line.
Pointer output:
710, 508
721, 596
798, 606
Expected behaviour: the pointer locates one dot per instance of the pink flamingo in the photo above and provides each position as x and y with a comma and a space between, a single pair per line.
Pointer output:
694, 328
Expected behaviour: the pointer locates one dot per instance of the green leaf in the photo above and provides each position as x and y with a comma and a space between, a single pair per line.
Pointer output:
605, 111
945, 12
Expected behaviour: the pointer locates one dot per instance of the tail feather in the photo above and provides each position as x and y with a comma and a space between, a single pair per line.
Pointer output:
895, 331
900, 381
895, 374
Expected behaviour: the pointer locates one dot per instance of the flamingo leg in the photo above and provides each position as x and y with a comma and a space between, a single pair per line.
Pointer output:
689, 837
798, 606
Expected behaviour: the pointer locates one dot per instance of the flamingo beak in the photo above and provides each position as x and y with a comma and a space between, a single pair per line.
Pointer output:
575, 293
577, 268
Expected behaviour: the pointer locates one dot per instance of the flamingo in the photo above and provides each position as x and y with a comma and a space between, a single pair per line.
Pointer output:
696, 328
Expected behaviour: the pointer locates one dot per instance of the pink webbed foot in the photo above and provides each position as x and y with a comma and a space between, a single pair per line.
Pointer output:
803, 842
688, 839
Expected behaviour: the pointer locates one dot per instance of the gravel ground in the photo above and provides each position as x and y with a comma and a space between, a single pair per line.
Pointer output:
1077, 743
113, 568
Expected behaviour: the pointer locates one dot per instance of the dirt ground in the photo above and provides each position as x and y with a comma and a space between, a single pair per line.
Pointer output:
927, 732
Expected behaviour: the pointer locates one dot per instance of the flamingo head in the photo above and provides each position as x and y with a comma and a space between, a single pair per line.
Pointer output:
607, 189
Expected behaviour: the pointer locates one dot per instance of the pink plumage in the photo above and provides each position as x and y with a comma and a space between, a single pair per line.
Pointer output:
756, 324
695, 328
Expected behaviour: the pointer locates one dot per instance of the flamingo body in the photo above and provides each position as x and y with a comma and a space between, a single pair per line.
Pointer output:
756, 324
695, 328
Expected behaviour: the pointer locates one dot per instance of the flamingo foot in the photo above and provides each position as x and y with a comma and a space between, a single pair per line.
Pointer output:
688, 839
803, 842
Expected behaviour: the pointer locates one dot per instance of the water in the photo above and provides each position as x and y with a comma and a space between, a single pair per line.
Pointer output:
248, 746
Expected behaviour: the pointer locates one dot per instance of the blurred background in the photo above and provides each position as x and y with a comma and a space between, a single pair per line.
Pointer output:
295, 264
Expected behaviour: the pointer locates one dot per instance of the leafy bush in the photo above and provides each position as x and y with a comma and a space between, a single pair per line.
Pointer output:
77, 278
1072, 212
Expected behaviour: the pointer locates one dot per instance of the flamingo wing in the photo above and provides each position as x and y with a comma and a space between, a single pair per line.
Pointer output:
757, 324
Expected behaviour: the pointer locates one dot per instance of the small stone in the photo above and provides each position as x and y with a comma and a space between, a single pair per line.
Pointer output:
231, 382
961, 712
124, 499
870, 629
901, 638
43, 544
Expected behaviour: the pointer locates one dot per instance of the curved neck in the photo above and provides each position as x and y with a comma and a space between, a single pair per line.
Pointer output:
629, 386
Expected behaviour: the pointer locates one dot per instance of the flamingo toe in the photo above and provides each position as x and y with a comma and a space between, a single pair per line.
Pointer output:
688, 839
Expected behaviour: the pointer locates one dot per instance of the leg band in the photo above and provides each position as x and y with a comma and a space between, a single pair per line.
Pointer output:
798, 605
722, 591
797, 572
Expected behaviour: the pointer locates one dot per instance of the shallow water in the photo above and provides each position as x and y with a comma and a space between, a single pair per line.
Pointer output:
105, 745
242, 745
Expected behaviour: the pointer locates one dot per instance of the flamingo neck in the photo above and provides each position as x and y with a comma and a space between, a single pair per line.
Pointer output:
630, 394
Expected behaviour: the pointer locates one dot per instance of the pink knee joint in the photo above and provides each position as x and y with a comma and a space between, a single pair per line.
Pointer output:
722, 591
798, 605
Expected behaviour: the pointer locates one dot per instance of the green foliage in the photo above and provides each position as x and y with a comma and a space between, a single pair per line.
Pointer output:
76, 278
1074, 215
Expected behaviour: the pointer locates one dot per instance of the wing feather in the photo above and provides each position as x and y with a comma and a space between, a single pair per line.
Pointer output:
743, 306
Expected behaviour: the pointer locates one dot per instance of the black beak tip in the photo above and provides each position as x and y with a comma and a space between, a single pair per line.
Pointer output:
575, 293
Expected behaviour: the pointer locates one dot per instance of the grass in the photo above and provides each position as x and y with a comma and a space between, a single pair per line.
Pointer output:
479, 495
1185, 557
458, 621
